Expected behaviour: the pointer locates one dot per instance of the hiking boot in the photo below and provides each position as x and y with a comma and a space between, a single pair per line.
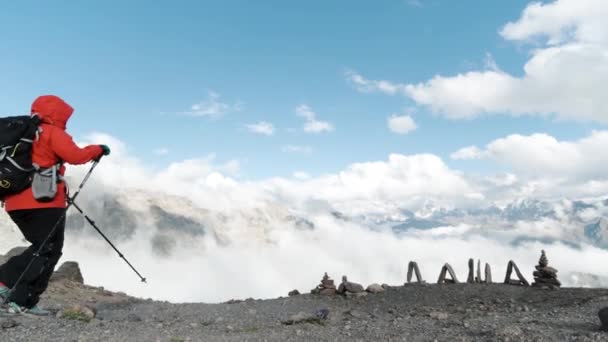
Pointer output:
36, 311
14, 308
4, 291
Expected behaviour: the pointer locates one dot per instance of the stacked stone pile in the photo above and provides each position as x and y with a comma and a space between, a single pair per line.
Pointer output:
545, 275
327, 286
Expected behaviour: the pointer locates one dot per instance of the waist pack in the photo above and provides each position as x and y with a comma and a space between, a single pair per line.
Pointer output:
44, 182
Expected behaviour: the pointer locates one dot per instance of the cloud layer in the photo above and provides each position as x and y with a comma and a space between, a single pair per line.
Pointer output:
253, 240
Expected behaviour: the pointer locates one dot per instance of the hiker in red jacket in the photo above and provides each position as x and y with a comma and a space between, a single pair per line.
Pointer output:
36, 219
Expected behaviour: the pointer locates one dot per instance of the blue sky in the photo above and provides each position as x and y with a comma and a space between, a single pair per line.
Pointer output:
135, 70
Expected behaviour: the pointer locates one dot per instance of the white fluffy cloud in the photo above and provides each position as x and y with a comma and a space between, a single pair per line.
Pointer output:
380, 186
540, 165
471, 152
565, 77
561, 21
213, 107
537, 165
313, 125
262, 127
401, 124
541, 155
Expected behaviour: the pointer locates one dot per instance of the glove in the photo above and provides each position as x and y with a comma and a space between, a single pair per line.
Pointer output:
105, 150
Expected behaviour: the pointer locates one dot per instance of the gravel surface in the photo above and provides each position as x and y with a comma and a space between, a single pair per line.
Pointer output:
454, 312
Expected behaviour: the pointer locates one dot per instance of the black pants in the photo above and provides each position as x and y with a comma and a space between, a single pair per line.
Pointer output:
36, 225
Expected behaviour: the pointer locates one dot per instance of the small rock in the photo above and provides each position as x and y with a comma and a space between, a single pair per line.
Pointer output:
229, 328
293, 293
133, 318
375, 288
322, 313
302, 317
438, 315
355, 313
510, 331
8, 323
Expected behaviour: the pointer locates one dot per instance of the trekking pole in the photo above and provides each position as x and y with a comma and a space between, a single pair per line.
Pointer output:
37, 254
92, 223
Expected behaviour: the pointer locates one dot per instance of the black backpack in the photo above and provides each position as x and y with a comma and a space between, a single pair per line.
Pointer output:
17, 134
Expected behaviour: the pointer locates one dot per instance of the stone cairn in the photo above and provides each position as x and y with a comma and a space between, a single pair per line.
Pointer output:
445, 270
521, 280
471, 276
488, 274
413, 269
477, 278
545, 275
327, 286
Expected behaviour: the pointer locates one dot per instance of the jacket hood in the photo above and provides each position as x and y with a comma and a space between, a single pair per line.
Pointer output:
52, 110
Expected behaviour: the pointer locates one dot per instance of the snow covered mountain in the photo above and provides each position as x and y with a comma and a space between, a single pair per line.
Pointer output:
597, 232
169, 236
170, 220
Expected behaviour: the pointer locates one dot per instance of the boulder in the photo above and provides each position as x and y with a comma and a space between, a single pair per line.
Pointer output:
13, 252
69, 270
347, 286
374, 288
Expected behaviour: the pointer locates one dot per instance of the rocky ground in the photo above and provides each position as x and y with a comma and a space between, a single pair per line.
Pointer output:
412, 312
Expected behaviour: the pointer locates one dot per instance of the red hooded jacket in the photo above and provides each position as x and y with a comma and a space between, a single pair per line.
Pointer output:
53, 145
